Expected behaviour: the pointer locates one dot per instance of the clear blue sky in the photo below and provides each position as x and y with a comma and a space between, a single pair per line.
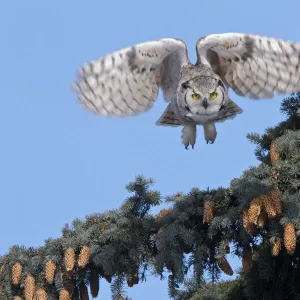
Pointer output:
58, 161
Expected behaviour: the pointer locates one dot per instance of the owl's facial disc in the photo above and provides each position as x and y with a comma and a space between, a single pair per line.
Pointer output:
205, 96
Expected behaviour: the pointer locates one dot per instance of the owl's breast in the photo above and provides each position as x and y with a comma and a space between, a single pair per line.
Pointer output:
202, 118
189, 114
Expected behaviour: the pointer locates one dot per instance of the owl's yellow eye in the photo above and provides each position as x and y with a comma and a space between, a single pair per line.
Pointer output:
213, 95
195, 96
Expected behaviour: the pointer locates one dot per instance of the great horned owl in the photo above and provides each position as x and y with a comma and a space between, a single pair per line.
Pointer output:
126, 82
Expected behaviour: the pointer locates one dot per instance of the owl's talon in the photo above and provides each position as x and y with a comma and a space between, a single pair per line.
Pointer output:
189, 135
210, 132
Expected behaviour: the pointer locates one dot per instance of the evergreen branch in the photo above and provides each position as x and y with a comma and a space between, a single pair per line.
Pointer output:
259, 212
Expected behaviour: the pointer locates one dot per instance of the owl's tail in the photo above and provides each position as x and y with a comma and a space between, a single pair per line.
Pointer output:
168, 118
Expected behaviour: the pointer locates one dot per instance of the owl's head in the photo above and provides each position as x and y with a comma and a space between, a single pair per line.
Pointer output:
204, 96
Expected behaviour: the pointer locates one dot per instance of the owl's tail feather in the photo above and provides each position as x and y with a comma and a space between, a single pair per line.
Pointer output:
168, 118
231, 112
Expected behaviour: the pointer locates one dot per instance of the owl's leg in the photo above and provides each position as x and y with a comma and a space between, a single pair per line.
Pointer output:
210, 132
189, 135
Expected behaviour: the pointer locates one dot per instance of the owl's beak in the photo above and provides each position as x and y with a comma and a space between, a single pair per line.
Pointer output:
205, 104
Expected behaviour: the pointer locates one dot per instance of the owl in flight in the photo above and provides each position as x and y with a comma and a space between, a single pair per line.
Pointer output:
126, 82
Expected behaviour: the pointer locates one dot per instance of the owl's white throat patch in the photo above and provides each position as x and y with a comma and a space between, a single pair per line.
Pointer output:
202, 118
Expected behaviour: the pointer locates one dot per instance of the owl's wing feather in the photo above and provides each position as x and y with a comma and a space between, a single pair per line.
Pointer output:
231, 111
252, 65
127, 81
168, 118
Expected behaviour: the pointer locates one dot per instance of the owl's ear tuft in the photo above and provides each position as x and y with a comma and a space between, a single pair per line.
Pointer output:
185, 85
221, 84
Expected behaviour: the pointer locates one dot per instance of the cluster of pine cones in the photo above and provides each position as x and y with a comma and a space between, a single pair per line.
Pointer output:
263, 208
32, 292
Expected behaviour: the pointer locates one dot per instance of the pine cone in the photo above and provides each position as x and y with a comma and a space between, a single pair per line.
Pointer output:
40, 294
249, 227
162, 213
225, 266
29, 287
84, 295
274, 155
247, 260
16, 273
245, 219
277, 203
69, 259
130, 282
208, 212
269, 207
84, 256
50, 268
276, 247
94, 283
254, 210
64, 295
262, 219
289, 238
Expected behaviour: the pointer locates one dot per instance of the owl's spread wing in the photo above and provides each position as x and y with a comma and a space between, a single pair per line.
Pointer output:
252, 65
127, 81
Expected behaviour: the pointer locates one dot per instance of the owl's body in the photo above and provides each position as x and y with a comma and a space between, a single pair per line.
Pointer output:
127, 81
181, 111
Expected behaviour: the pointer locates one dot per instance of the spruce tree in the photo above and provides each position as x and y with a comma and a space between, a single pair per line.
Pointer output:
256, 218
273, 270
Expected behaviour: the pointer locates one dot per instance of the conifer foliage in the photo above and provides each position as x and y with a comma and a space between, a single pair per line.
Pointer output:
258, 215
